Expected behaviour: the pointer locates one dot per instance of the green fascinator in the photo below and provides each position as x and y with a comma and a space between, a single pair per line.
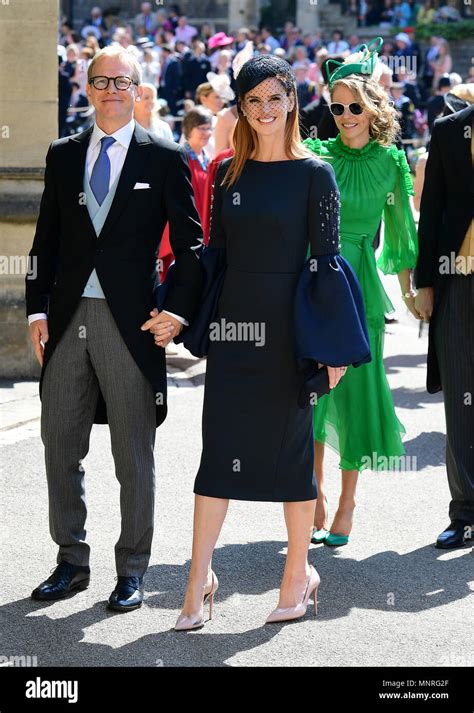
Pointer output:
364, 64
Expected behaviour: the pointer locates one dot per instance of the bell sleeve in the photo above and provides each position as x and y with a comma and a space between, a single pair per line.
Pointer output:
329, 317
400, 248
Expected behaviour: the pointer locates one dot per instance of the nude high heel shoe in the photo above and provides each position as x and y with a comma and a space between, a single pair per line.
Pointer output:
289, 613
186, 623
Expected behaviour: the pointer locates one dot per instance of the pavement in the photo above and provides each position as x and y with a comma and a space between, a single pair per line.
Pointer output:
389, 598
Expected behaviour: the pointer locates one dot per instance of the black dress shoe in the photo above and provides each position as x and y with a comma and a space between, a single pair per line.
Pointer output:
458, 534
127, 595
66, 578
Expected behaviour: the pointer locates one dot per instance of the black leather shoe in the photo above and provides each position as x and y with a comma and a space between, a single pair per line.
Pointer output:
458, 534
66, 579
127, 595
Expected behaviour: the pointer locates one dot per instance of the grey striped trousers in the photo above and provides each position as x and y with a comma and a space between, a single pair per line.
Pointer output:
90, 353
454, 342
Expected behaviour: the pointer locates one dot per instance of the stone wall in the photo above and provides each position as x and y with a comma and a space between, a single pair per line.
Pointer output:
28, 124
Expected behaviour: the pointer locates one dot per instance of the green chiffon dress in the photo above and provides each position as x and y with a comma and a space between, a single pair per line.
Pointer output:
357, 418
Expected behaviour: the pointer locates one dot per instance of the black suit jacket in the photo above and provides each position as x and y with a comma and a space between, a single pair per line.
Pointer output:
195, 70
66, 249
447, 208
317, 114
172, 90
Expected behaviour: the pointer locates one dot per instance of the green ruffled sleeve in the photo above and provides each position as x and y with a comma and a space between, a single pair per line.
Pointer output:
314, 145
400, 249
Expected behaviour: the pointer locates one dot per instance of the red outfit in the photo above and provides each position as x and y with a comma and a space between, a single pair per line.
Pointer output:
203, 184
198, 180
205, 215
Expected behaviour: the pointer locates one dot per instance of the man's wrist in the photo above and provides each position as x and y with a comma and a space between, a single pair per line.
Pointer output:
37, 315
183, 321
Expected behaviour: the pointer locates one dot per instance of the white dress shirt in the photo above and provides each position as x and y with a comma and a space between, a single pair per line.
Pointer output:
116, 153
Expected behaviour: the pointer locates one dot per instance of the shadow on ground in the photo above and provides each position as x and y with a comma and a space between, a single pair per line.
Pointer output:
413, 582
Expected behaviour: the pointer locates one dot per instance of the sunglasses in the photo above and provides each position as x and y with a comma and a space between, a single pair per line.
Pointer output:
337, 109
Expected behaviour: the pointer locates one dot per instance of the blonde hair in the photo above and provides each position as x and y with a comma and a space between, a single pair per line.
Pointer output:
117, 51
203, 90
464, 92
245, 142
148, 85
383, 122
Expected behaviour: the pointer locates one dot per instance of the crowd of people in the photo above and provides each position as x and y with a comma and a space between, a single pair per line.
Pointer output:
185, 66
405, 13
290, 259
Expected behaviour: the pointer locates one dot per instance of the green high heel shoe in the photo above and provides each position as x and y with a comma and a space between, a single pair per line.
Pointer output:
319, 536
335, 540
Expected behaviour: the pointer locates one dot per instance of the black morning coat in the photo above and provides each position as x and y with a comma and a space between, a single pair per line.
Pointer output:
447, 208
66, 248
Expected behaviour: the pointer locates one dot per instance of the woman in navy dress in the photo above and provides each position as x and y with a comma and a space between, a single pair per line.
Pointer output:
280, 316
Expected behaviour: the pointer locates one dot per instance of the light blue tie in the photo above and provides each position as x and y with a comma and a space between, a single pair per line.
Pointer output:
100, 177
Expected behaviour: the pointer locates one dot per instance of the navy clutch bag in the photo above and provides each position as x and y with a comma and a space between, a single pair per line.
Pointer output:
196, 337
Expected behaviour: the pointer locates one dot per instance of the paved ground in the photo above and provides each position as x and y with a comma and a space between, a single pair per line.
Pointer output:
387, 599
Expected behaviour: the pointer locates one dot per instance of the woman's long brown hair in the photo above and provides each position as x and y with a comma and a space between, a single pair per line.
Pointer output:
246, 141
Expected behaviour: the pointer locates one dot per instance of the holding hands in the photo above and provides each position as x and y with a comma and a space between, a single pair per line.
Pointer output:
163, 326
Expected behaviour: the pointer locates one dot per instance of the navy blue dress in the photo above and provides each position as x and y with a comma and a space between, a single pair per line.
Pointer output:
278, 313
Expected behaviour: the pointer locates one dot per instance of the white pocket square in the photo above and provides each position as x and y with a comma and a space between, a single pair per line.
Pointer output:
141, 185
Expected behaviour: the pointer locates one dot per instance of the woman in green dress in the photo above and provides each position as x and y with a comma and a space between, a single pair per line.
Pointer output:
358, 419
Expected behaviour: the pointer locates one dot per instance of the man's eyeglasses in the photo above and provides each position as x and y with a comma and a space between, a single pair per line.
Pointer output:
121, 83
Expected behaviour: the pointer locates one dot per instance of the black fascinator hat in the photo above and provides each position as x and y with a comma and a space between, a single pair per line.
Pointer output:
263, 67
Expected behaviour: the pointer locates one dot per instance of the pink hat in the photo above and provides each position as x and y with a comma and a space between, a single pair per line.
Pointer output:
219, 40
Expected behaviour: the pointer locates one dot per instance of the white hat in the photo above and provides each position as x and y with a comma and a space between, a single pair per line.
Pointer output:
90, 29
221, 85
241, 57
402, 37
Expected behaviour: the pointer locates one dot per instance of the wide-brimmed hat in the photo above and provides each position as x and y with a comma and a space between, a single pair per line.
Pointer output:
220, 39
